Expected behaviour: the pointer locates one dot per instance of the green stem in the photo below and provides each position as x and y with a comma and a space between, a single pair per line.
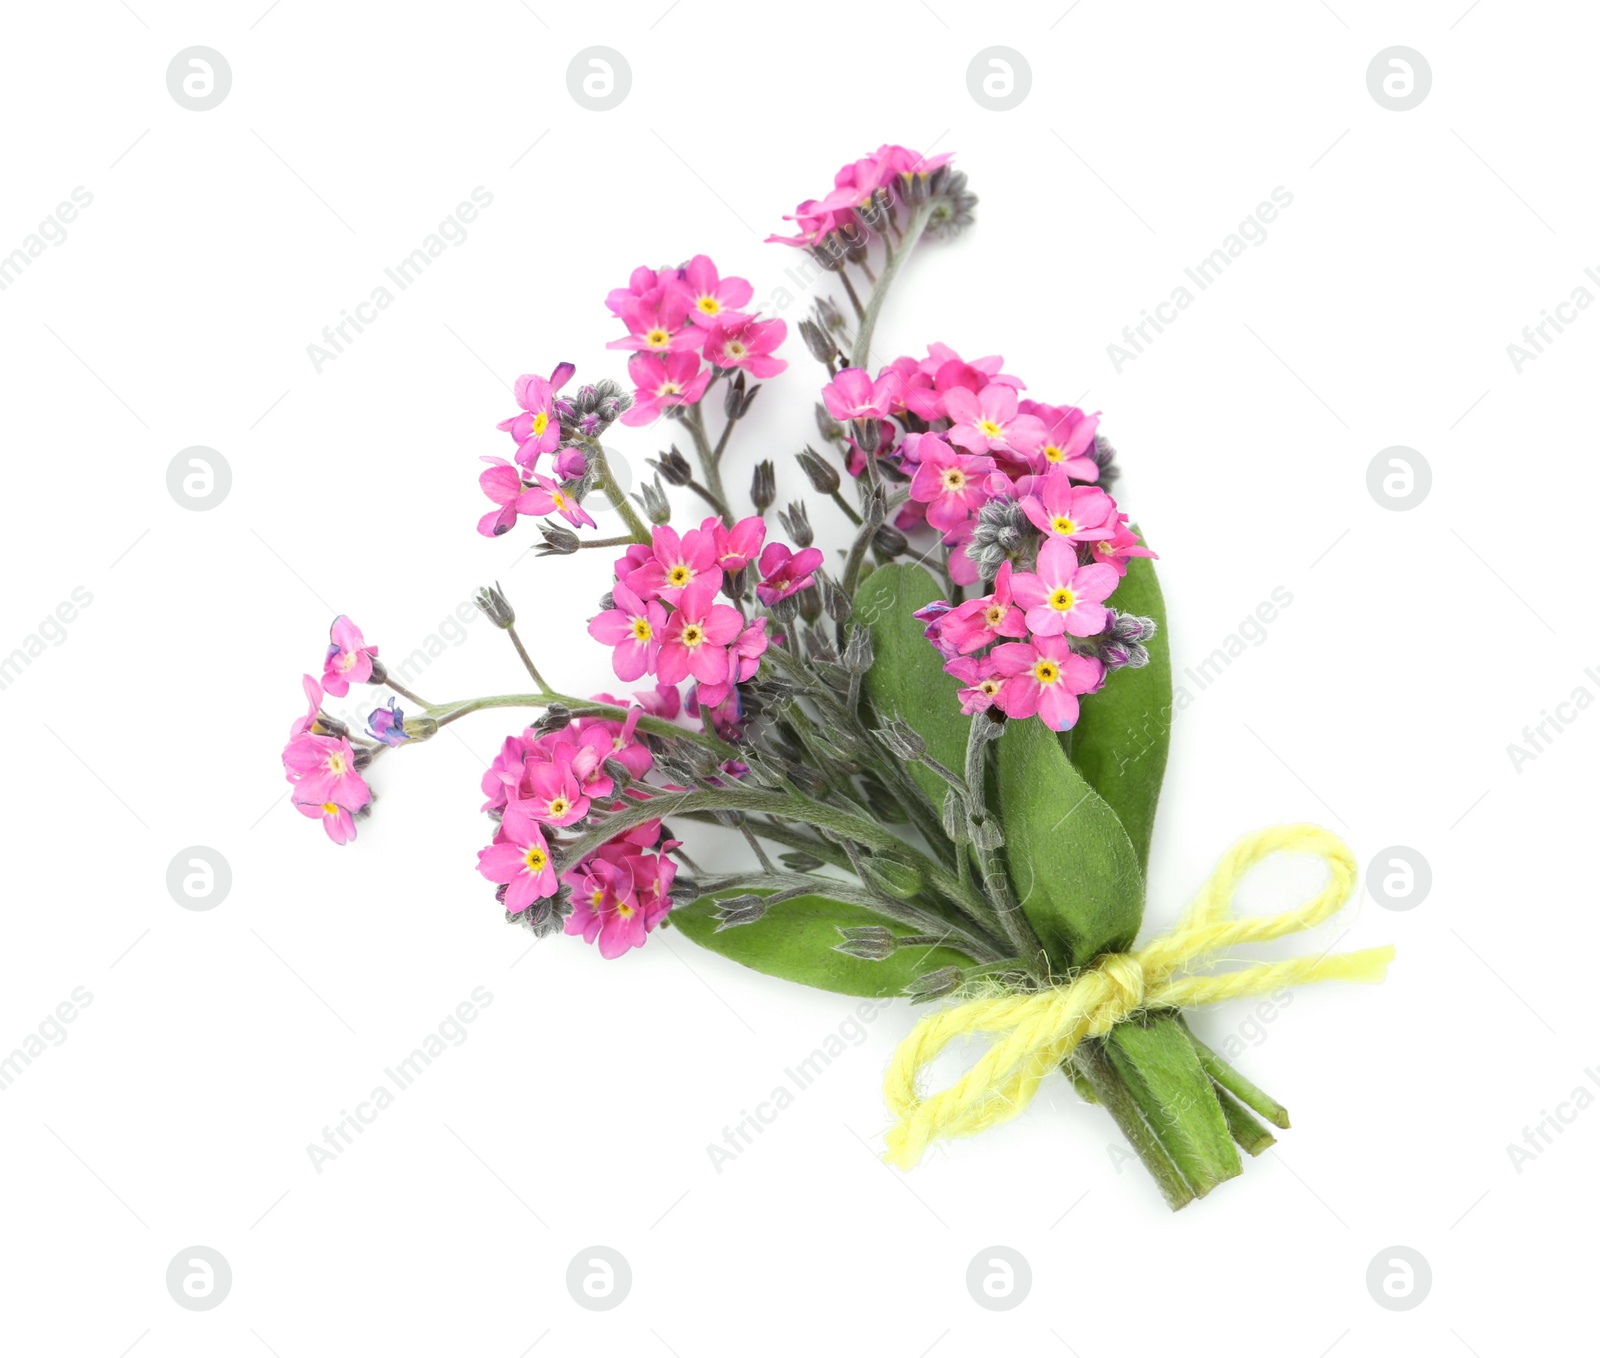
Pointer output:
445, 713
861, 350
405, 693
1242, 1123
1092, 1063
527, 660
722, 510
855, 301
695, 420
1236, 1084
996, 880
794, 806
936, 931
619, 501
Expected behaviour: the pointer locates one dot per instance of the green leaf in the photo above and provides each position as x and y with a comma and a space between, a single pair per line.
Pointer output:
1159, 1065
1076, 874
1120, 741
795, 941
907, 677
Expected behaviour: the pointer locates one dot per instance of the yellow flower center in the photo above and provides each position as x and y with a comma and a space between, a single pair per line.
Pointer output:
1063, 525
1052, 453
535, 858
709, 306
994, 615
693, 635
1063, 600
558, 499
559, 806
657, 338
1046, 672
336, 764
669, 389
541, 422
736, 349
625, 910
330, 809
596, 896
641, 629
954, 478
680, 575
989, 429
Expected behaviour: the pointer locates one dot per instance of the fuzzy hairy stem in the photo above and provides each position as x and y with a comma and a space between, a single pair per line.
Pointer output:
861, 350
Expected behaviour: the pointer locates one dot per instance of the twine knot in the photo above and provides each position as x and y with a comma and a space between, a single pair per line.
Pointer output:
1122, 976
1034, 1032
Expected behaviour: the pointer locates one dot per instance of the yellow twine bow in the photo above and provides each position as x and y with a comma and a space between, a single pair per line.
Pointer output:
1036, 1031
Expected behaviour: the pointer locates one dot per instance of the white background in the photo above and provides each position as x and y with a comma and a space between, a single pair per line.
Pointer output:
220, 1043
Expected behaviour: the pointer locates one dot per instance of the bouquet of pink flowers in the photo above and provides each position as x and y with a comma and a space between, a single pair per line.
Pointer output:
943, 742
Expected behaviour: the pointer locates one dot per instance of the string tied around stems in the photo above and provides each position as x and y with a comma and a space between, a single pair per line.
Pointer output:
1033, 1032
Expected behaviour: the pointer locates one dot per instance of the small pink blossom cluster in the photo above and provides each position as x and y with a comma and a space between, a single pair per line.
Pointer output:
887, 174
321, 764
664, 619
541, 782
547, 424
677, 317
1003, 480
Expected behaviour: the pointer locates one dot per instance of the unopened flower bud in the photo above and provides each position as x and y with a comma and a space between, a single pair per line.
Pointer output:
608, 601
556, 717
733, 397
827, 426
736, 910
363, 758
902, 739
829, 314
1105, 457
797, 524
380, 672
420, 728
1131, 627
934, 985
868, 434
954, 817
835, 600
620, 775
888, 542
674, 467
810, 603
558, 541
1117, 655
799, 862
496, 607
874, 505
651, 498
824, 478
822, 348
857, 657
900, 880
867, 942
764, 485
